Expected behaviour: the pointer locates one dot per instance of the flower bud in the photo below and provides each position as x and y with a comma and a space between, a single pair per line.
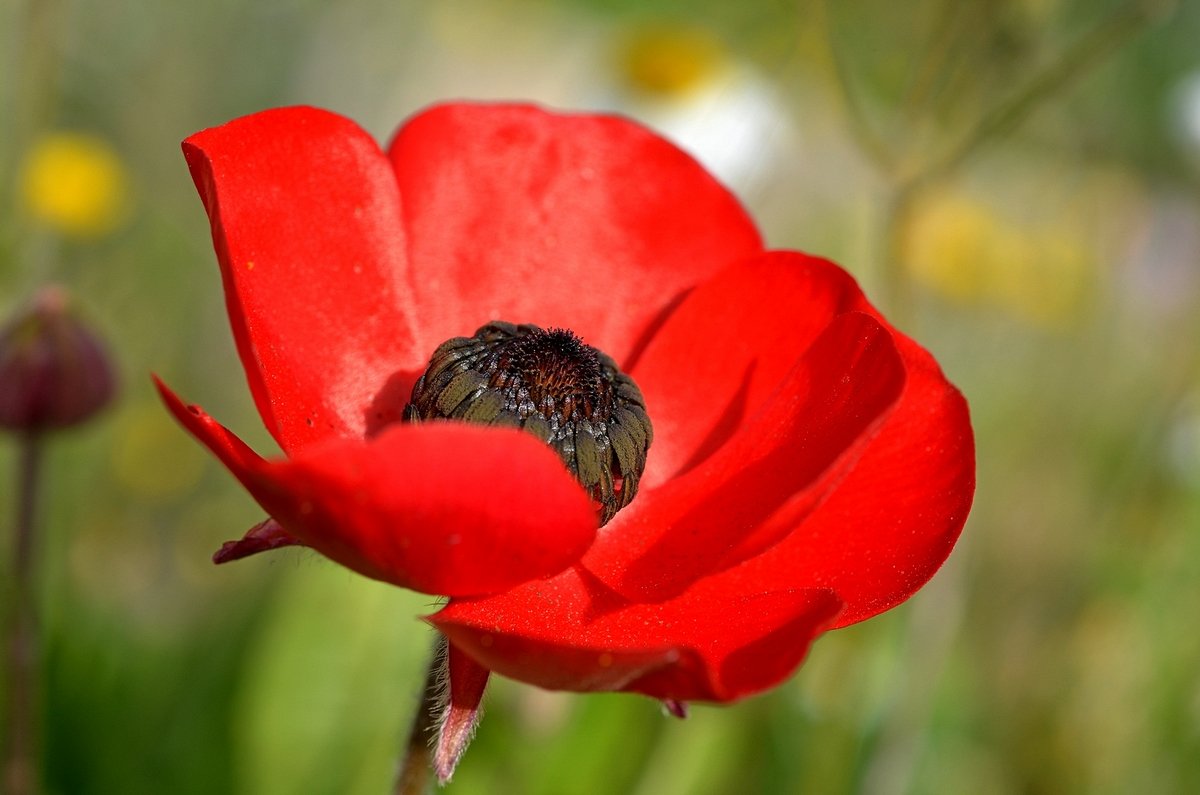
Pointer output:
53, 371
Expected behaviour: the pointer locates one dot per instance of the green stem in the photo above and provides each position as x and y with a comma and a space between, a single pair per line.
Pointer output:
415, 774
871, 143
20, 753
1120, 26
924, 83
896, 287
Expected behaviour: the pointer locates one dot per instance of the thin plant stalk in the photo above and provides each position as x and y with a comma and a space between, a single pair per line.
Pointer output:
20, 751
415, 776
1113, 31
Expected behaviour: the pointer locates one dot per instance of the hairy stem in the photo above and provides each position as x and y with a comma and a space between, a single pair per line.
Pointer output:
415, 775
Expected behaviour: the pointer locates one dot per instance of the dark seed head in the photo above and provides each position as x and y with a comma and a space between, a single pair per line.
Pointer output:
551, 384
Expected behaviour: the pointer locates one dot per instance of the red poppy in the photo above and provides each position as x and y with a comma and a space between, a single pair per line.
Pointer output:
811, 466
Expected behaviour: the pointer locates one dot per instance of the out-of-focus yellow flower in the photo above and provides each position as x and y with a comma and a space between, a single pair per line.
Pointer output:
671, 60
964, 250
75, 183
946, 245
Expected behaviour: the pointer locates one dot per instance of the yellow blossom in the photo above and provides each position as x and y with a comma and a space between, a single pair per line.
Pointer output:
671, 61
968, 252
75, 183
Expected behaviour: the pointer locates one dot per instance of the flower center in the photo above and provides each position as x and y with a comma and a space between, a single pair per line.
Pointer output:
551, 384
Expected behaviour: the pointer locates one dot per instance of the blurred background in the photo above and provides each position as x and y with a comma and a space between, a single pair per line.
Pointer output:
1016, 182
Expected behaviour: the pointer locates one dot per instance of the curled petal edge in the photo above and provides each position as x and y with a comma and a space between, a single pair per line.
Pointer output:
687, 649
799, 446
263, 537
407, 508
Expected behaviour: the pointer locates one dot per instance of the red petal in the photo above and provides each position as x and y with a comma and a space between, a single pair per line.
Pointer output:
726, 349
587, 222
874, 531
893, 520
306, 223
676, 709
467, 681
442, 508
717, 642
263, 537
799, 444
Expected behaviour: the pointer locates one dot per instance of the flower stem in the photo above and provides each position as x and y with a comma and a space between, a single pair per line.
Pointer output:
1121, 25
870, 142
415, 774
897, 290
20, 752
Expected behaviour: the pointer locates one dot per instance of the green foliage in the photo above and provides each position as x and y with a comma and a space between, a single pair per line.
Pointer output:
1055, 653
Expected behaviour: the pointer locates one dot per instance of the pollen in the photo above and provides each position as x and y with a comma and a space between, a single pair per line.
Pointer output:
551, 384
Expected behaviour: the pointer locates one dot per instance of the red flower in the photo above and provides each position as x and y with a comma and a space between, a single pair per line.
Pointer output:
811, 466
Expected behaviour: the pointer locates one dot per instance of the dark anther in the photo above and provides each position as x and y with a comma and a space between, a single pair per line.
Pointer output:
566, 393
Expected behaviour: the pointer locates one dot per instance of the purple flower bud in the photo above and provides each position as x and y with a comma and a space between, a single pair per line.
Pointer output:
53, 371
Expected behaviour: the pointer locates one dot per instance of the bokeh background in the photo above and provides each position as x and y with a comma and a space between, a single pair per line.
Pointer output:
1017, 182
